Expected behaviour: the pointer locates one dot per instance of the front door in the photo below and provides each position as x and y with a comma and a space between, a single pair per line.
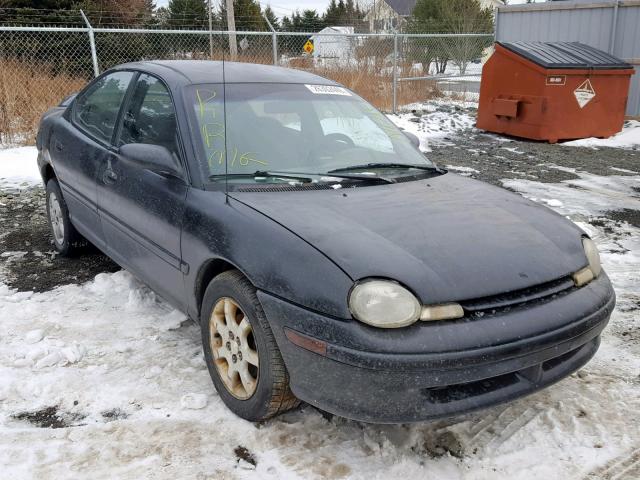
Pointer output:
81, 146
141, 211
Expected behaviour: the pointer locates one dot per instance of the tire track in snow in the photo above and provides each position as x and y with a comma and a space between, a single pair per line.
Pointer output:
494, 430
623, 467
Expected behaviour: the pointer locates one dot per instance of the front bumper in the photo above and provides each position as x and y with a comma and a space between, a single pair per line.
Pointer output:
439, 369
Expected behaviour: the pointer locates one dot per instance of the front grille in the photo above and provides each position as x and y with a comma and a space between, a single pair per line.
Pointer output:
460, 391
532, 374
519, 297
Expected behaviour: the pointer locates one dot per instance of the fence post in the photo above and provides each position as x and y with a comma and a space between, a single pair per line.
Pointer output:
274, 40
395, 72
92, 43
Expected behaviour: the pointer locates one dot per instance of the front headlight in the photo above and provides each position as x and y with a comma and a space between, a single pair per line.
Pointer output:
588, 273
591, 251
387, 304
384, 304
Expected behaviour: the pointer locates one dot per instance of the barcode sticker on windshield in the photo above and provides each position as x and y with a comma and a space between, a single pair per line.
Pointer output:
328, 90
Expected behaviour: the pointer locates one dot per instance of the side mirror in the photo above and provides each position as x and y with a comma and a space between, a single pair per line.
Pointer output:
66, 101
155, 158
414, 139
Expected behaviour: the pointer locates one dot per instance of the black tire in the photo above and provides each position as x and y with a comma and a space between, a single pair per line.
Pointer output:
70, 241
272, 394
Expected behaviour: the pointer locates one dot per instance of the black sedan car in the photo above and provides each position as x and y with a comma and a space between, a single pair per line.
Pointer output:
325, 258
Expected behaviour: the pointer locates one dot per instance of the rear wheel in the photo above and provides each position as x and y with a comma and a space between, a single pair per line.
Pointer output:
243, 359
66, 238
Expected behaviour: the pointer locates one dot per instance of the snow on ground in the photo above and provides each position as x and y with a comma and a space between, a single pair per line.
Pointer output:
464, 171
125, 407
18, 167
435, 122
587, 195
120, 376
629, 137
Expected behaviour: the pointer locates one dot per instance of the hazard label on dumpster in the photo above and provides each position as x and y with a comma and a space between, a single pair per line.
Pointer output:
584, 93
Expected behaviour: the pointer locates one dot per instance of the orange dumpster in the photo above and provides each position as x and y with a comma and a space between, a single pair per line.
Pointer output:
553, 91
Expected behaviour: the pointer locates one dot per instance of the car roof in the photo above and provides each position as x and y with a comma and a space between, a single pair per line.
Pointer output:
208, 71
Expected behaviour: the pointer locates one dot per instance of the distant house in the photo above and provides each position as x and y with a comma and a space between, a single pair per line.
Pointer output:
333, 46
387, 16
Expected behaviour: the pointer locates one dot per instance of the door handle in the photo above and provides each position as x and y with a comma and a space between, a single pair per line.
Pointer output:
109, 177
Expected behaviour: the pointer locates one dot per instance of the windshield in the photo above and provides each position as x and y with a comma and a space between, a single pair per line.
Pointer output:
295, 129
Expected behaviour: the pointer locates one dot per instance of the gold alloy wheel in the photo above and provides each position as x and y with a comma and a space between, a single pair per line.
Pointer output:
234, 348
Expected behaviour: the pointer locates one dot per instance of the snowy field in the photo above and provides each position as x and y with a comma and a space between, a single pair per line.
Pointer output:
103, 379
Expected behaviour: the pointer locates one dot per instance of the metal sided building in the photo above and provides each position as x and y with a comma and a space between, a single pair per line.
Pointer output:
609, 25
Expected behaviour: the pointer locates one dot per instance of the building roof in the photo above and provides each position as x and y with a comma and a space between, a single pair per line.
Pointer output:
207, 71
402, 7
346, 30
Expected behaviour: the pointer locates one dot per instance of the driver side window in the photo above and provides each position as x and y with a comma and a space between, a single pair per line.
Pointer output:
150, 117
96, 109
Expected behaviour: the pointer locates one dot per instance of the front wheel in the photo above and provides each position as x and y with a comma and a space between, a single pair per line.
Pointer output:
243, 359
66, 238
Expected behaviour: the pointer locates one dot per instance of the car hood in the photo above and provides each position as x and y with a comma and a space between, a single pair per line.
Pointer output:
447, 238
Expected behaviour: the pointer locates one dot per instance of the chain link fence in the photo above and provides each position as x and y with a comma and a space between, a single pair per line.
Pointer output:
41, 65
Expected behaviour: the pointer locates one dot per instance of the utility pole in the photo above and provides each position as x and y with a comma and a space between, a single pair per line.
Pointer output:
231, 26
210, 31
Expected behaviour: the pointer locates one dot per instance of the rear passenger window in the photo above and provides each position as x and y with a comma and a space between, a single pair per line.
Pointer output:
96, 109
150, 117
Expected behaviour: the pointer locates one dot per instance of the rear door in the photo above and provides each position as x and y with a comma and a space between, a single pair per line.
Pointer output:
80, 146
141, 211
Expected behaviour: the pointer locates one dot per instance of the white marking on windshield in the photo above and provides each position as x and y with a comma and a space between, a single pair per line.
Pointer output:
328, 90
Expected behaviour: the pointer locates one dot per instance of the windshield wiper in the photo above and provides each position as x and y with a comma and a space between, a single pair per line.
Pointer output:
258, 174
362, 178
300, 176
386, 165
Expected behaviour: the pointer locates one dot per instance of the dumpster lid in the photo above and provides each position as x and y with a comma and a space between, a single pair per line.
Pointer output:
565, 55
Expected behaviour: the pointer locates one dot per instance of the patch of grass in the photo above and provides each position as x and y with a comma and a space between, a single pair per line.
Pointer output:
372, 84
28, 90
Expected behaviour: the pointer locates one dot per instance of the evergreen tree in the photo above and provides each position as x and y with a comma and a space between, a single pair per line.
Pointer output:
286, 25
247, 14
332, 15
310, 21
343, 13
29, 12
188, 13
